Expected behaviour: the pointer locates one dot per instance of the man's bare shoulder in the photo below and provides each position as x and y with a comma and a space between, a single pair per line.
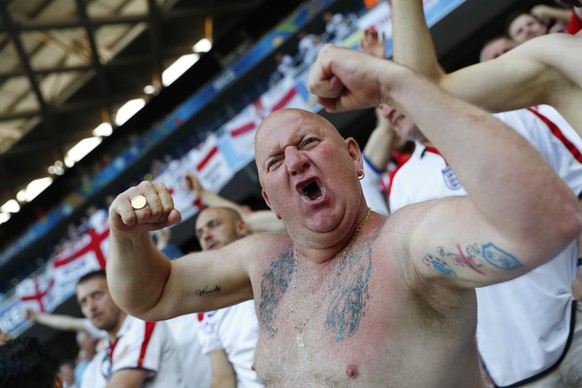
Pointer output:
263, 239
419, 230
409, 234
264, 246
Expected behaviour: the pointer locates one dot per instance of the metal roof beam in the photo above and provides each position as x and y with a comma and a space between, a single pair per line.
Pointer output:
114, 62
72, 106
155, 32
134, 19
25, 62
95, 60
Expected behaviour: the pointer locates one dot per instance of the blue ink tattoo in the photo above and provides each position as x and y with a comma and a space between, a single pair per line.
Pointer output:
499, 258
467, 259
273, 285
347, 308
438, 265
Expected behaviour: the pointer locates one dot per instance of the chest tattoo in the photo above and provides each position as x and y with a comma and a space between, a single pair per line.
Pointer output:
274, 284
348, 302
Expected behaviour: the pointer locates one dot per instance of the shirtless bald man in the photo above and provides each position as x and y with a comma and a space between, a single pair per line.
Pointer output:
348, 297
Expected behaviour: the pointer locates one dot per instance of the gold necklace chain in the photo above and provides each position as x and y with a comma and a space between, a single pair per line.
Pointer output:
300, 327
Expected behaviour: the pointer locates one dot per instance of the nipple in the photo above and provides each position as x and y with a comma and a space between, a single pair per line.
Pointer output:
253, 367
352, 371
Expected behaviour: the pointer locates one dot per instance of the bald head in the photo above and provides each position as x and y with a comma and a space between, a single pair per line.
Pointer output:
293, 115
230, 214
304, 163
217, 227
296, 123
495, 48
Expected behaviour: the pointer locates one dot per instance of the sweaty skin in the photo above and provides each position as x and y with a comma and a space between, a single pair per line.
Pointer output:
398, 304
351, 337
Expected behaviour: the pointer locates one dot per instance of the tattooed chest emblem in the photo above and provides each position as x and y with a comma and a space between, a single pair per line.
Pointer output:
274, 284
345, 306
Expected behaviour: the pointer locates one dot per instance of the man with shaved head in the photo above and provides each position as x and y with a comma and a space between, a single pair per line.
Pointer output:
347, 297
229, 335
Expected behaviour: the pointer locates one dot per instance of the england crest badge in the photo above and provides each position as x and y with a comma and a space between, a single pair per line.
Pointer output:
450, 178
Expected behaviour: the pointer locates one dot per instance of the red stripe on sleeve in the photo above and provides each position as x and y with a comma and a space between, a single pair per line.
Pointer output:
149, 330
574, 25
559, 135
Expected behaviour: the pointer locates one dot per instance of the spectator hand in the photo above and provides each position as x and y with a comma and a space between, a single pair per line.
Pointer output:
158, 212
192, 184
31, 314
540, 11
344, 79
373, 43
4, 338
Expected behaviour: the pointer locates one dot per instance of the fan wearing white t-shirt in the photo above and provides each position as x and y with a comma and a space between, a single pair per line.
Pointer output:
139, 353
229, 335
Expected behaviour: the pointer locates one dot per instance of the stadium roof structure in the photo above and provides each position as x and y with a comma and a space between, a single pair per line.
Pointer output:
68, 66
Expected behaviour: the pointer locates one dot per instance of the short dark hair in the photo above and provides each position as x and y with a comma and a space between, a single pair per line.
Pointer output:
26, 363
100, 273
514, 15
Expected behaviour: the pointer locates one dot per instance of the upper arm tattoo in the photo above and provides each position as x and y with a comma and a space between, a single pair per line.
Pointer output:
474, 257
499, 258
207, 290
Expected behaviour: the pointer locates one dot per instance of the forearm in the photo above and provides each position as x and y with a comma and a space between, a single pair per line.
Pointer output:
222, 382
557, 14
215, 200
379, 146
506, 83
507, 198
128, 378
59, 322
144, 283
223, 374
412, 42
543, 11
136, 273
264, 221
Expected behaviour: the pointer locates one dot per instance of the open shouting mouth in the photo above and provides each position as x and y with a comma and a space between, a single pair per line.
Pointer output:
311, 189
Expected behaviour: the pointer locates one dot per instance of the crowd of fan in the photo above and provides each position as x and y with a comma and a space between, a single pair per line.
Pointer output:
224, 340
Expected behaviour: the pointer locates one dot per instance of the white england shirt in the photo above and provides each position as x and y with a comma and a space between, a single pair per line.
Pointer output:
371, 188
523, 324
235, 330
195, 363
143, 345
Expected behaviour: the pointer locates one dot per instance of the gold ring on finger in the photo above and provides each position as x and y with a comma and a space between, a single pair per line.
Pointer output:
138, 202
